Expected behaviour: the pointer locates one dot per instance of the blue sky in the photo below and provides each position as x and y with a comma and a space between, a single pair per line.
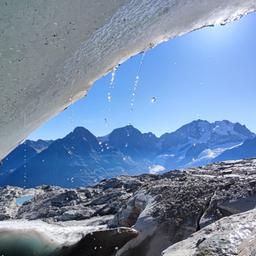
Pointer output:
207, 74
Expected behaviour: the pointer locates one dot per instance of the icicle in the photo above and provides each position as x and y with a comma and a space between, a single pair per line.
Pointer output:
136, 82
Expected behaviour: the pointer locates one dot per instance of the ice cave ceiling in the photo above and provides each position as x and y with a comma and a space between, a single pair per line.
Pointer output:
52, 51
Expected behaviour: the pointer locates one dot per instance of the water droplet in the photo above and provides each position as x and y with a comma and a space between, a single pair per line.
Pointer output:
106, 121
153, 100
136, 82
109, 97
111, 84
113, 75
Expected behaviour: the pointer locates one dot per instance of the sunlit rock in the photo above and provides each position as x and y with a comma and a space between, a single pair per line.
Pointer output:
228, 236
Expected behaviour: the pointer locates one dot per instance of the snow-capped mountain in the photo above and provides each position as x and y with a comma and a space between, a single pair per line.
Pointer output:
77, 159
204, 132
22, 154
38, 145
199, 142
132, 142
80, 158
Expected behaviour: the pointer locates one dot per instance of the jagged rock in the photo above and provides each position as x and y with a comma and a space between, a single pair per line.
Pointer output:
226, 237
101, 243
183, 202
164, 209
247, 247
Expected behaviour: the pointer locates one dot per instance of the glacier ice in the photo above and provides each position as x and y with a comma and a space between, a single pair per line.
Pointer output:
53, 51
23, 237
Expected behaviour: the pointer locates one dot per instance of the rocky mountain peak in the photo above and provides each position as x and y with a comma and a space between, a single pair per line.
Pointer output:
80, 158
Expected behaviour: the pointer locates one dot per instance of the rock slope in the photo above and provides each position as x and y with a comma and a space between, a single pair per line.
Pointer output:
164, 209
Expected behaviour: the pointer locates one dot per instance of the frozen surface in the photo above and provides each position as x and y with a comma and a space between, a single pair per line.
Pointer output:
57, 234
23, 199
52, 51
23, 237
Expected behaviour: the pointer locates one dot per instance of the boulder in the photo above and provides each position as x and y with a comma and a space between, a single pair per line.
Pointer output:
234, 235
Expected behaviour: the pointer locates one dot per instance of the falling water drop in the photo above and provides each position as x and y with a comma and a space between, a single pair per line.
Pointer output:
153, 100
112, 83
109, 97
106, 121
113, 75
71, 112
136, 82
25, 155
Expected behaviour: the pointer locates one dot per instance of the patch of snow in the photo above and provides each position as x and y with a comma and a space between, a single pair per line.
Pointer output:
209, 154
224, 128
155, 169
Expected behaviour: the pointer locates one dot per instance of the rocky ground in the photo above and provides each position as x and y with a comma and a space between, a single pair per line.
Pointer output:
164, 209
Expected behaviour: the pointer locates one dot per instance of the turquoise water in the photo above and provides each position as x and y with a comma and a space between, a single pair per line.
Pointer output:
29, 244
21, 200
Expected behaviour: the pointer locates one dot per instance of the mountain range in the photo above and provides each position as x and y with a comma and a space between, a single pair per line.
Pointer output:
80, 158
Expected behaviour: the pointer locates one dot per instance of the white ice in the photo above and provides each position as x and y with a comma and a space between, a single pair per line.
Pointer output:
53, 51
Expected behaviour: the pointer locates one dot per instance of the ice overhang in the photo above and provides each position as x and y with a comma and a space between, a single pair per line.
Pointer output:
52, 51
